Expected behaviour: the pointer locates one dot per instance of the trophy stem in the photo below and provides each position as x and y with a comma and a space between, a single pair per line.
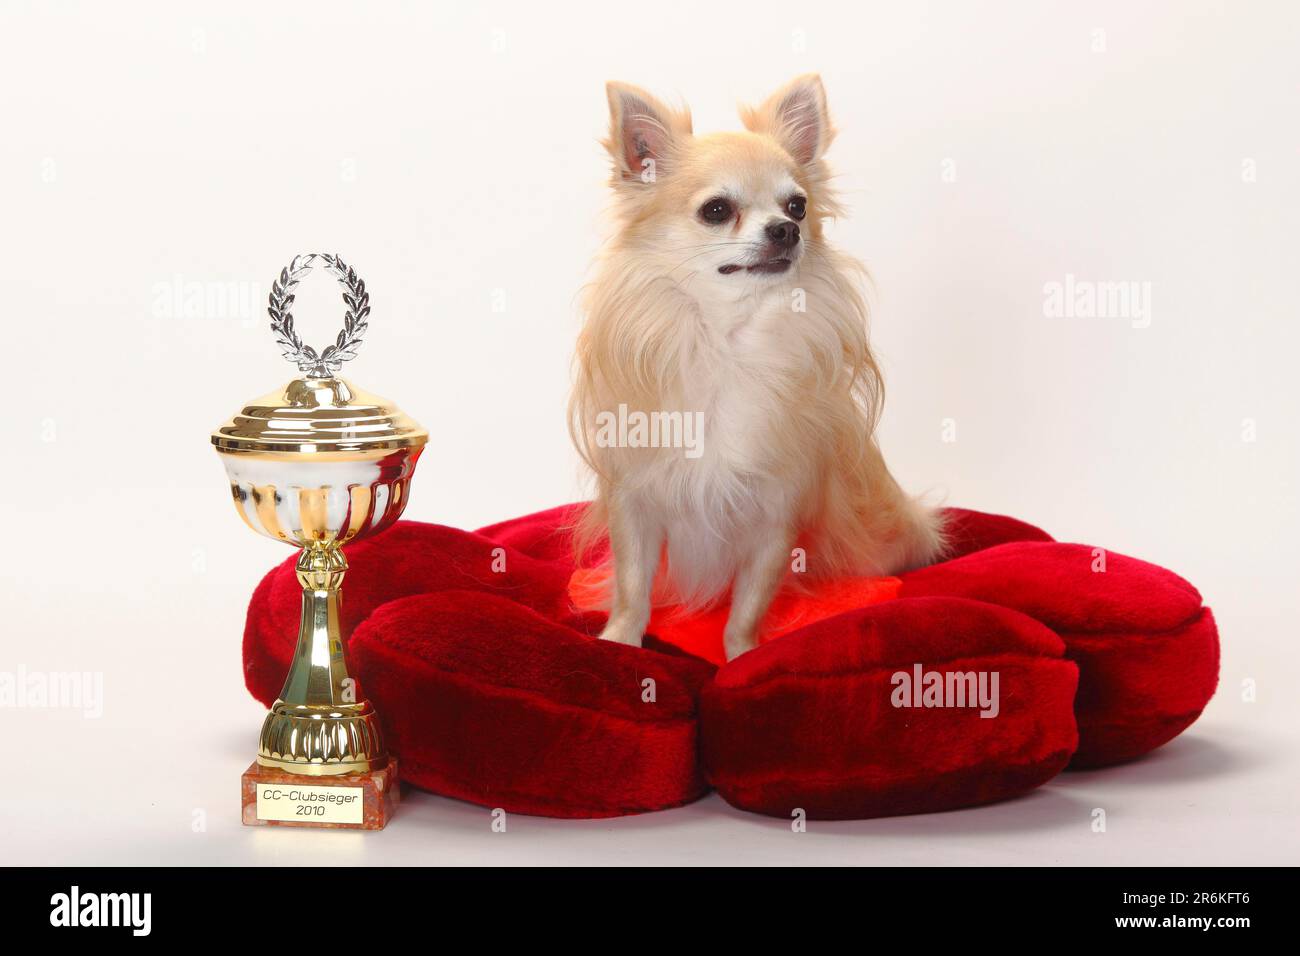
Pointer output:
318, 727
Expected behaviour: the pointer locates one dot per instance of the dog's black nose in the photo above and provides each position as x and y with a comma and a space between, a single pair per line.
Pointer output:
783, 232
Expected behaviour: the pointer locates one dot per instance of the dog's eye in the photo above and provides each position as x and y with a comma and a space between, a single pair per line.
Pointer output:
716, 211
797, 207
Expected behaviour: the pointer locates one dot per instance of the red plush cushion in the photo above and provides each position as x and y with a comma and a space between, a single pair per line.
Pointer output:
811, 722
568, 727
493, 689
1147, 650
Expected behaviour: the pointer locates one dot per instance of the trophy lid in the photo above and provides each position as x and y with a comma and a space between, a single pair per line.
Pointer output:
311, 416
319, 414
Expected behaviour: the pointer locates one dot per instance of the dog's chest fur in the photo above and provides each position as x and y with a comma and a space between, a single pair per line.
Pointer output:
741, 368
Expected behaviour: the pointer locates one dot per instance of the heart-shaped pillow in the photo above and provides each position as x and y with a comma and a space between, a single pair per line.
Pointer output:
493, 688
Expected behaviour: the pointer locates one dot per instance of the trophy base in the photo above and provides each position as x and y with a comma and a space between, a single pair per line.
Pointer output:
350, 801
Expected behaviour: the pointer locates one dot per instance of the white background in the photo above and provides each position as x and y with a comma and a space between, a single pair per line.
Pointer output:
450, 151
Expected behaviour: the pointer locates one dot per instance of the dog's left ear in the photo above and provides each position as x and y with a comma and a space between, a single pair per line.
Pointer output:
796, 117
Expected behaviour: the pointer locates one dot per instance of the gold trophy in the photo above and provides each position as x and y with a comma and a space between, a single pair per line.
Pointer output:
317, 464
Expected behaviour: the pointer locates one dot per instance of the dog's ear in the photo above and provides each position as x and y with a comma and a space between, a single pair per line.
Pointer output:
643, 133
796, 117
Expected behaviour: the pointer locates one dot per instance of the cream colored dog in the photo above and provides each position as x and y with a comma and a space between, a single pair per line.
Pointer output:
719, 301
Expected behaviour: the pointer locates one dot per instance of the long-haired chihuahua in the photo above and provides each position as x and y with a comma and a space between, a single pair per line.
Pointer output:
719, 302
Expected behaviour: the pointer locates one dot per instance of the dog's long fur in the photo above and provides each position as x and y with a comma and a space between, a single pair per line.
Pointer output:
789, 398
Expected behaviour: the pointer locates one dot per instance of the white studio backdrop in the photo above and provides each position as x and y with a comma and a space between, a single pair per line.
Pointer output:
162, 161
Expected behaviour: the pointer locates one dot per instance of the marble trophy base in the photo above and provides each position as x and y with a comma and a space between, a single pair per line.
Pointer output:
350, 801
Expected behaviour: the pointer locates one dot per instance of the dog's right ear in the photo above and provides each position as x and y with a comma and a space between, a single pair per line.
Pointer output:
643, 133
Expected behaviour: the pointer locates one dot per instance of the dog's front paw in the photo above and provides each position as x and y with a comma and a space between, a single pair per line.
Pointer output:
623, 632
737, 643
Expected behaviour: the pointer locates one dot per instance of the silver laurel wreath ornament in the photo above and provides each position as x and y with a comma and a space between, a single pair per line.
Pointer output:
326, 363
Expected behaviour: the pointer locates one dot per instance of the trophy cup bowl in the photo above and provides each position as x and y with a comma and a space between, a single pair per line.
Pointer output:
317, 464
